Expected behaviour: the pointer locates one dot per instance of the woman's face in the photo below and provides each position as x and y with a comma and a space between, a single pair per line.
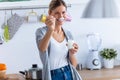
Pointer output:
59, 13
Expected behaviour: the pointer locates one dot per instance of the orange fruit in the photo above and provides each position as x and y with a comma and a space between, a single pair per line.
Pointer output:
2, 66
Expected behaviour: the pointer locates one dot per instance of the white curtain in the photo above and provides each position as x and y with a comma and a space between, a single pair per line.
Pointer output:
101, 9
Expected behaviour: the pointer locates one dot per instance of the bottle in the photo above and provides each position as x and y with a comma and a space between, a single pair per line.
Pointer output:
34, 71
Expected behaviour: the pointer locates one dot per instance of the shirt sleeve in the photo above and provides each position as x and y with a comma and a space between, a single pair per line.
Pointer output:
39, 35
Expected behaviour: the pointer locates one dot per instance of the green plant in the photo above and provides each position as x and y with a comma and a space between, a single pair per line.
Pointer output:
108, 53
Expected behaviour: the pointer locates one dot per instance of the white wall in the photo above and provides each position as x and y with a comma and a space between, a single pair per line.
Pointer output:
21, 52
108, 28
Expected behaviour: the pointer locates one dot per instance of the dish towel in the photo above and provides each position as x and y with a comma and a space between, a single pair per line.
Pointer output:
13, 24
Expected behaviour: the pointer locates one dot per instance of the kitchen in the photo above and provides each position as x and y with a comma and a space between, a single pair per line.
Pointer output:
21, 51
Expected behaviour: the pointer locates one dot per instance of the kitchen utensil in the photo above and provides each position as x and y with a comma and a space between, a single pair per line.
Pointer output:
67, 18
1, 39
33, 73
94, 43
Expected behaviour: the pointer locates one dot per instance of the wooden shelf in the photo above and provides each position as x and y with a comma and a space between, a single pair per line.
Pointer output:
35, 4
21, 5
25, 5
102, 74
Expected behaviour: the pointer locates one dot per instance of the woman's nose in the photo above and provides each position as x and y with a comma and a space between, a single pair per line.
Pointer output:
61, 15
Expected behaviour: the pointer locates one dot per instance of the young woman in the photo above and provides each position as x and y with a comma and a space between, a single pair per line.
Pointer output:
58, 61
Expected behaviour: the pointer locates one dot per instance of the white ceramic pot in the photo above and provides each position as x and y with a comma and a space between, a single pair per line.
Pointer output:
108, 63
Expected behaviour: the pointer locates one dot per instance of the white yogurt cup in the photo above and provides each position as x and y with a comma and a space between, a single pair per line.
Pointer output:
70, 44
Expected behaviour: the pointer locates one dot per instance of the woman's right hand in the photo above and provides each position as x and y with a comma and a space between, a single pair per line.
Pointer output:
50, 22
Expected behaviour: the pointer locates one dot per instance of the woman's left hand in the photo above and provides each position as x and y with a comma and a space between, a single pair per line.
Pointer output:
74, 49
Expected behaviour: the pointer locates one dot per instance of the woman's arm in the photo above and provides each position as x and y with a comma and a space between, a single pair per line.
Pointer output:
73, 60
43, 44
72, 56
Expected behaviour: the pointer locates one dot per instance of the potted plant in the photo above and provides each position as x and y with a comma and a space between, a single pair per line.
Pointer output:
108, 55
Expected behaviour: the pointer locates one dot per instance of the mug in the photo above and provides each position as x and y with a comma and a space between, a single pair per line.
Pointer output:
32, 17
43, 18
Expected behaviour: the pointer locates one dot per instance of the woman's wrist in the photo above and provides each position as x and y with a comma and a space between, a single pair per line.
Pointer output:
50, 31
71, 55
73, 59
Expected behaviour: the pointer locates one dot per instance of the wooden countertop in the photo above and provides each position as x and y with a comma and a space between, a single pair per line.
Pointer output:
16, 76
102, 74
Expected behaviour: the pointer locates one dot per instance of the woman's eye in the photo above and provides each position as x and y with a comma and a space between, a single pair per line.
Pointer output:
63, 12
57, 13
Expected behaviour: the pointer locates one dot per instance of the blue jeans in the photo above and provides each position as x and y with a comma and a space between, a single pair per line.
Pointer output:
63, 73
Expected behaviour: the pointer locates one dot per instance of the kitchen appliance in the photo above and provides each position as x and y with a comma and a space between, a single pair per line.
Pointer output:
94, 43
33, 73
